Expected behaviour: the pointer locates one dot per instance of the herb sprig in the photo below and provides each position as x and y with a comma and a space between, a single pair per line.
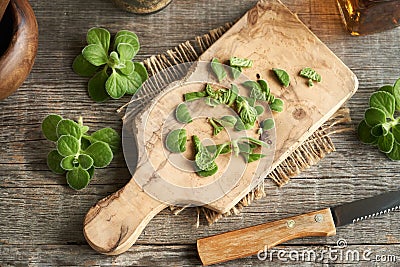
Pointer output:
380, 127
110, 66
78, 153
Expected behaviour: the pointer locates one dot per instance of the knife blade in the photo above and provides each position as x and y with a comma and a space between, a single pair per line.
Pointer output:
249, 241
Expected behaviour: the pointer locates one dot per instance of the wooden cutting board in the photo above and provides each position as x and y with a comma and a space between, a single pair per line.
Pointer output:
272, 37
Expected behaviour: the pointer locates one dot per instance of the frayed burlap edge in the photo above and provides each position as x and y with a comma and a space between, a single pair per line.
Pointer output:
316, 147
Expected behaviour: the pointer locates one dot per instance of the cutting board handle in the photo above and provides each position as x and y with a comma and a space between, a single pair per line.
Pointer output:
113, 225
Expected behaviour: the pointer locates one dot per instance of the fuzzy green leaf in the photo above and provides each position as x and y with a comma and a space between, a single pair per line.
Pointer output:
99, 36
68, 145
396, 132
364, 133
385, 143
109, 136
141, 70
95, 54
83, 67
133, 82
377, 130
127, 38
260, 110
240, 62
387, 88
374, 116
182, 113
395, 152
97, 87
207, 173
264, 86
236, 71
277, 105
267, 124
126, 32
85, 161
49, 127
396, 93
54, 162
228, 121
218, 69
194, 95
176, 141
69, 127
69, 163
78, 178
249, 158
282, 76
126, 51
91, 172
116, 86
101, 154
129, 68
383, 101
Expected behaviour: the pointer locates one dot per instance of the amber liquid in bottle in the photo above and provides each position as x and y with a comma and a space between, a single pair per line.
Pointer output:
369, 16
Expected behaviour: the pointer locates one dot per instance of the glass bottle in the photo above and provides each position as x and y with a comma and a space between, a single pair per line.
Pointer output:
369, 16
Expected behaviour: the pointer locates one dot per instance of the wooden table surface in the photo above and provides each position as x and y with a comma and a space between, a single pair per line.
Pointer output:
41, 218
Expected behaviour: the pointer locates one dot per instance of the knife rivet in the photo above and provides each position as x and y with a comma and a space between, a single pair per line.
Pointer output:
290, 223
319, 218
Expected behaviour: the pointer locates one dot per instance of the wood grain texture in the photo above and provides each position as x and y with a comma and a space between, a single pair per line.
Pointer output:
41, 218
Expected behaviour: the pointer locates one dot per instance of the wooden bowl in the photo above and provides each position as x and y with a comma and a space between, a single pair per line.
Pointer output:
142, 6
18, 45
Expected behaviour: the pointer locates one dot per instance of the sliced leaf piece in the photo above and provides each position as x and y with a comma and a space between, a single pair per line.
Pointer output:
49, 127
99, 36
310, 74
109, 136
260, 110
228, 121
95, 54
101, 154
176, 141
364, 133
83, 67
85, 161
116, 86
282, 76
208, 173
395, 152
97, 87
374, 116
194, 95
383, 101
69, 127
218, 69
141, 70
68, 145
264, 86
69, 163
182, 113
267, 124
240, 62
54, 162
249, 158
385, 143
236, 71
277, 105
78, 178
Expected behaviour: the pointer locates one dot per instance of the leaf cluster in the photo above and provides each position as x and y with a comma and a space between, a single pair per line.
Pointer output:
380, 127
77, 153
110, 66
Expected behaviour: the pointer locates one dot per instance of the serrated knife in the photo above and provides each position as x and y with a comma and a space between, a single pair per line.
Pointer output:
249, 241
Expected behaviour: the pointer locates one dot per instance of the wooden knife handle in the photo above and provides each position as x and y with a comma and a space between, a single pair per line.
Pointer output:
113, 225
251, 240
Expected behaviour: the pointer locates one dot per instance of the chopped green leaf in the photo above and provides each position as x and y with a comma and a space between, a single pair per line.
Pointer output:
176, 141
182, 113
277, 105
310, 74
194, 95
240, 62
267, 124
282, 76
218, 69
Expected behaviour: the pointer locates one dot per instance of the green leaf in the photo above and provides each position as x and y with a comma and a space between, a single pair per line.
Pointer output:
194, 95
228, 121
126, 51
131, 39
234, 92
310, 74
252, 85
99, 36
396, 93
236, 71
377, 130
216, 128
207, 173
252, 140
385, 143
264, 86
69, 127
54, 162
182, 113
277, 105
101, 154
95, 54
78, 178
176, 141
133, 82
49, 127
97, 87
310, 83
91, 172
218, 69
282, 76
239, 126
249, 158
383, 101
395, 152
85, 161
128, 69
267, 124
83, 67
141, 70
116, 86
259, 109
114, 61
126, 32
109, 136
396, 132
364, 133
85, 143
68, 145
240, 62
374, 116
387, 88
69, 163
211, 102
